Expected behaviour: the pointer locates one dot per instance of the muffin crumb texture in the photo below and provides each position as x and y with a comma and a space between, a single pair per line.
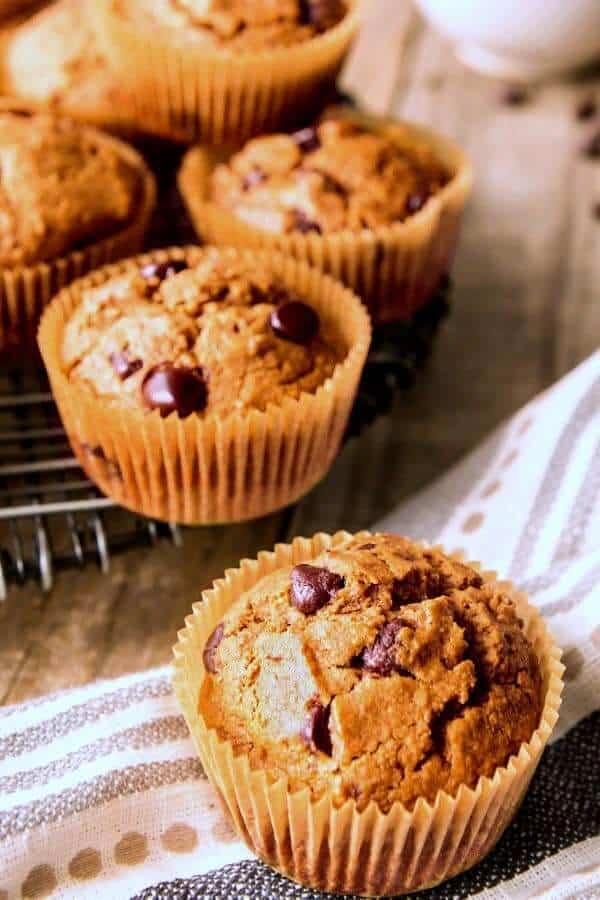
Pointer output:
336, 175
210, 332
62, 187
380, 670
245, 25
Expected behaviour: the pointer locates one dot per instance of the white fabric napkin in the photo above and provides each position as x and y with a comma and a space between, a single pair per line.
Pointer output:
101, 794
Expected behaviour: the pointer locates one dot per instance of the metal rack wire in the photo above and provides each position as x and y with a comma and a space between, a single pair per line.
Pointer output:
51, 515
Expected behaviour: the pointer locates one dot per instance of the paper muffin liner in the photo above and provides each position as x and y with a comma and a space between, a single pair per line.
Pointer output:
395, 269
340, 849
26, 290
208, 469
189, 92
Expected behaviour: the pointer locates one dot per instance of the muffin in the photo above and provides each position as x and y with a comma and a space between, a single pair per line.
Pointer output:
53, 61
224, 70
205, 385
371, 710
376, 204
72, 198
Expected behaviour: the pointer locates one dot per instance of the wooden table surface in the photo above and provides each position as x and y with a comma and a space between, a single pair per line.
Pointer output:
526, 309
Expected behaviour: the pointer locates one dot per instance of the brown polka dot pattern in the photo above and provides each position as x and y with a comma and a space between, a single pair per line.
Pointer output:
85, 864
179, 838
510, 458
223, 832
132, 849
473, 522
573, 661
40, 882
491, 488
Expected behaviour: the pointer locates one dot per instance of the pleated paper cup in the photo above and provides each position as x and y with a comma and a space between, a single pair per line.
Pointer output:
186, 91
339, 849
395, 269
26, 290
209, 469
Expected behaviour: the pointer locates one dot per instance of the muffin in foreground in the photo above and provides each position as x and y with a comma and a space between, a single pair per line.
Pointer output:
205, 385
223, 71
73, 198
377, 204
370, 710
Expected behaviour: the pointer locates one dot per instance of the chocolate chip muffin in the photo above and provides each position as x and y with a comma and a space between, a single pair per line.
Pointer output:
208, 335
379, 670
71, 198
205, 384
334, 176
224, 70
377, 204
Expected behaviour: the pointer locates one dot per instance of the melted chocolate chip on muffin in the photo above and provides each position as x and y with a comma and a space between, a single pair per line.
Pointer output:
210, 333
323, 179
380, 670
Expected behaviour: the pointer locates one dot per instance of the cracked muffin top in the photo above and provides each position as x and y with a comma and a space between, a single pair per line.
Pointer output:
336, 175
209, 331
241, 25
54, 60
381, 670
61, 187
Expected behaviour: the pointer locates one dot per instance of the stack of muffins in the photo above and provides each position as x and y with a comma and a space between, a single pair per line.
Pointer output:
214, 384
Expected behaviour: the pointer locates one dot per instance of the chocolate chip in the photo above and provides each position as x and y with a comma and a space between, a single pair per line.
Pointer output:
254, 177
586, 109
323, 14
315, 731
416, 201
295, 321
170, 388
303, 224
124, 365
307, 139
163, 270
592, 148
515, 95
367, 547
381, 657
313, 587
209, 655
596, 212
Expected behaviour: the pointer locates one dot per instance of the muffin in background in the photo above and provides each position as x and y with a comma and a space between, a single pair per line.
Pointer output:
223, 72
205, 385
376, 204
73, 198
371, 710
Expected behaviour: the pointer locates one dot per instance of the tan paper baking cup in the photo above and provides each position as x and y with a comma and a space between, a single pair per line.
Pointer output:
184, 91
394, 269
339, 849
26, 290
207, 469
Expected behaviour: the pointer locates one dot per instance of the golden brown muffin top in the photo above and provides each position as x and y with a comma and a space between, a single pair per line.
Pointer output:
62, 187
54, 60
242, 25
333, 176
380, 670
210, 332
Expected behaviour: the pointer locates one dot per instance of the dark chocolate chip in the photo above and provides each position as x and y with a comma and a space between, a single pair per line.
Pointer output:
381, 657
596, 211
592, 148
163, 270
209, 655
416, 201
586, 109
124, 365
313, 587
170, 388
305, 225
254, 177
515, 95
307, 139
323, 14
315, 731
295, 321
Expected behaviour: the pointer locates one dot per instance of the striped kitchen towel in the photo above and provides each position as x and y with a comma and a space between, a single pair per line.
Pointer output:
101, 794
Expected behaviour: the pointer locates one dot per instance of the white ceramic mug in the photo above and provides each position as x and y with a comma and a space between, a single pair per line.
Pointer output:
524, 40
